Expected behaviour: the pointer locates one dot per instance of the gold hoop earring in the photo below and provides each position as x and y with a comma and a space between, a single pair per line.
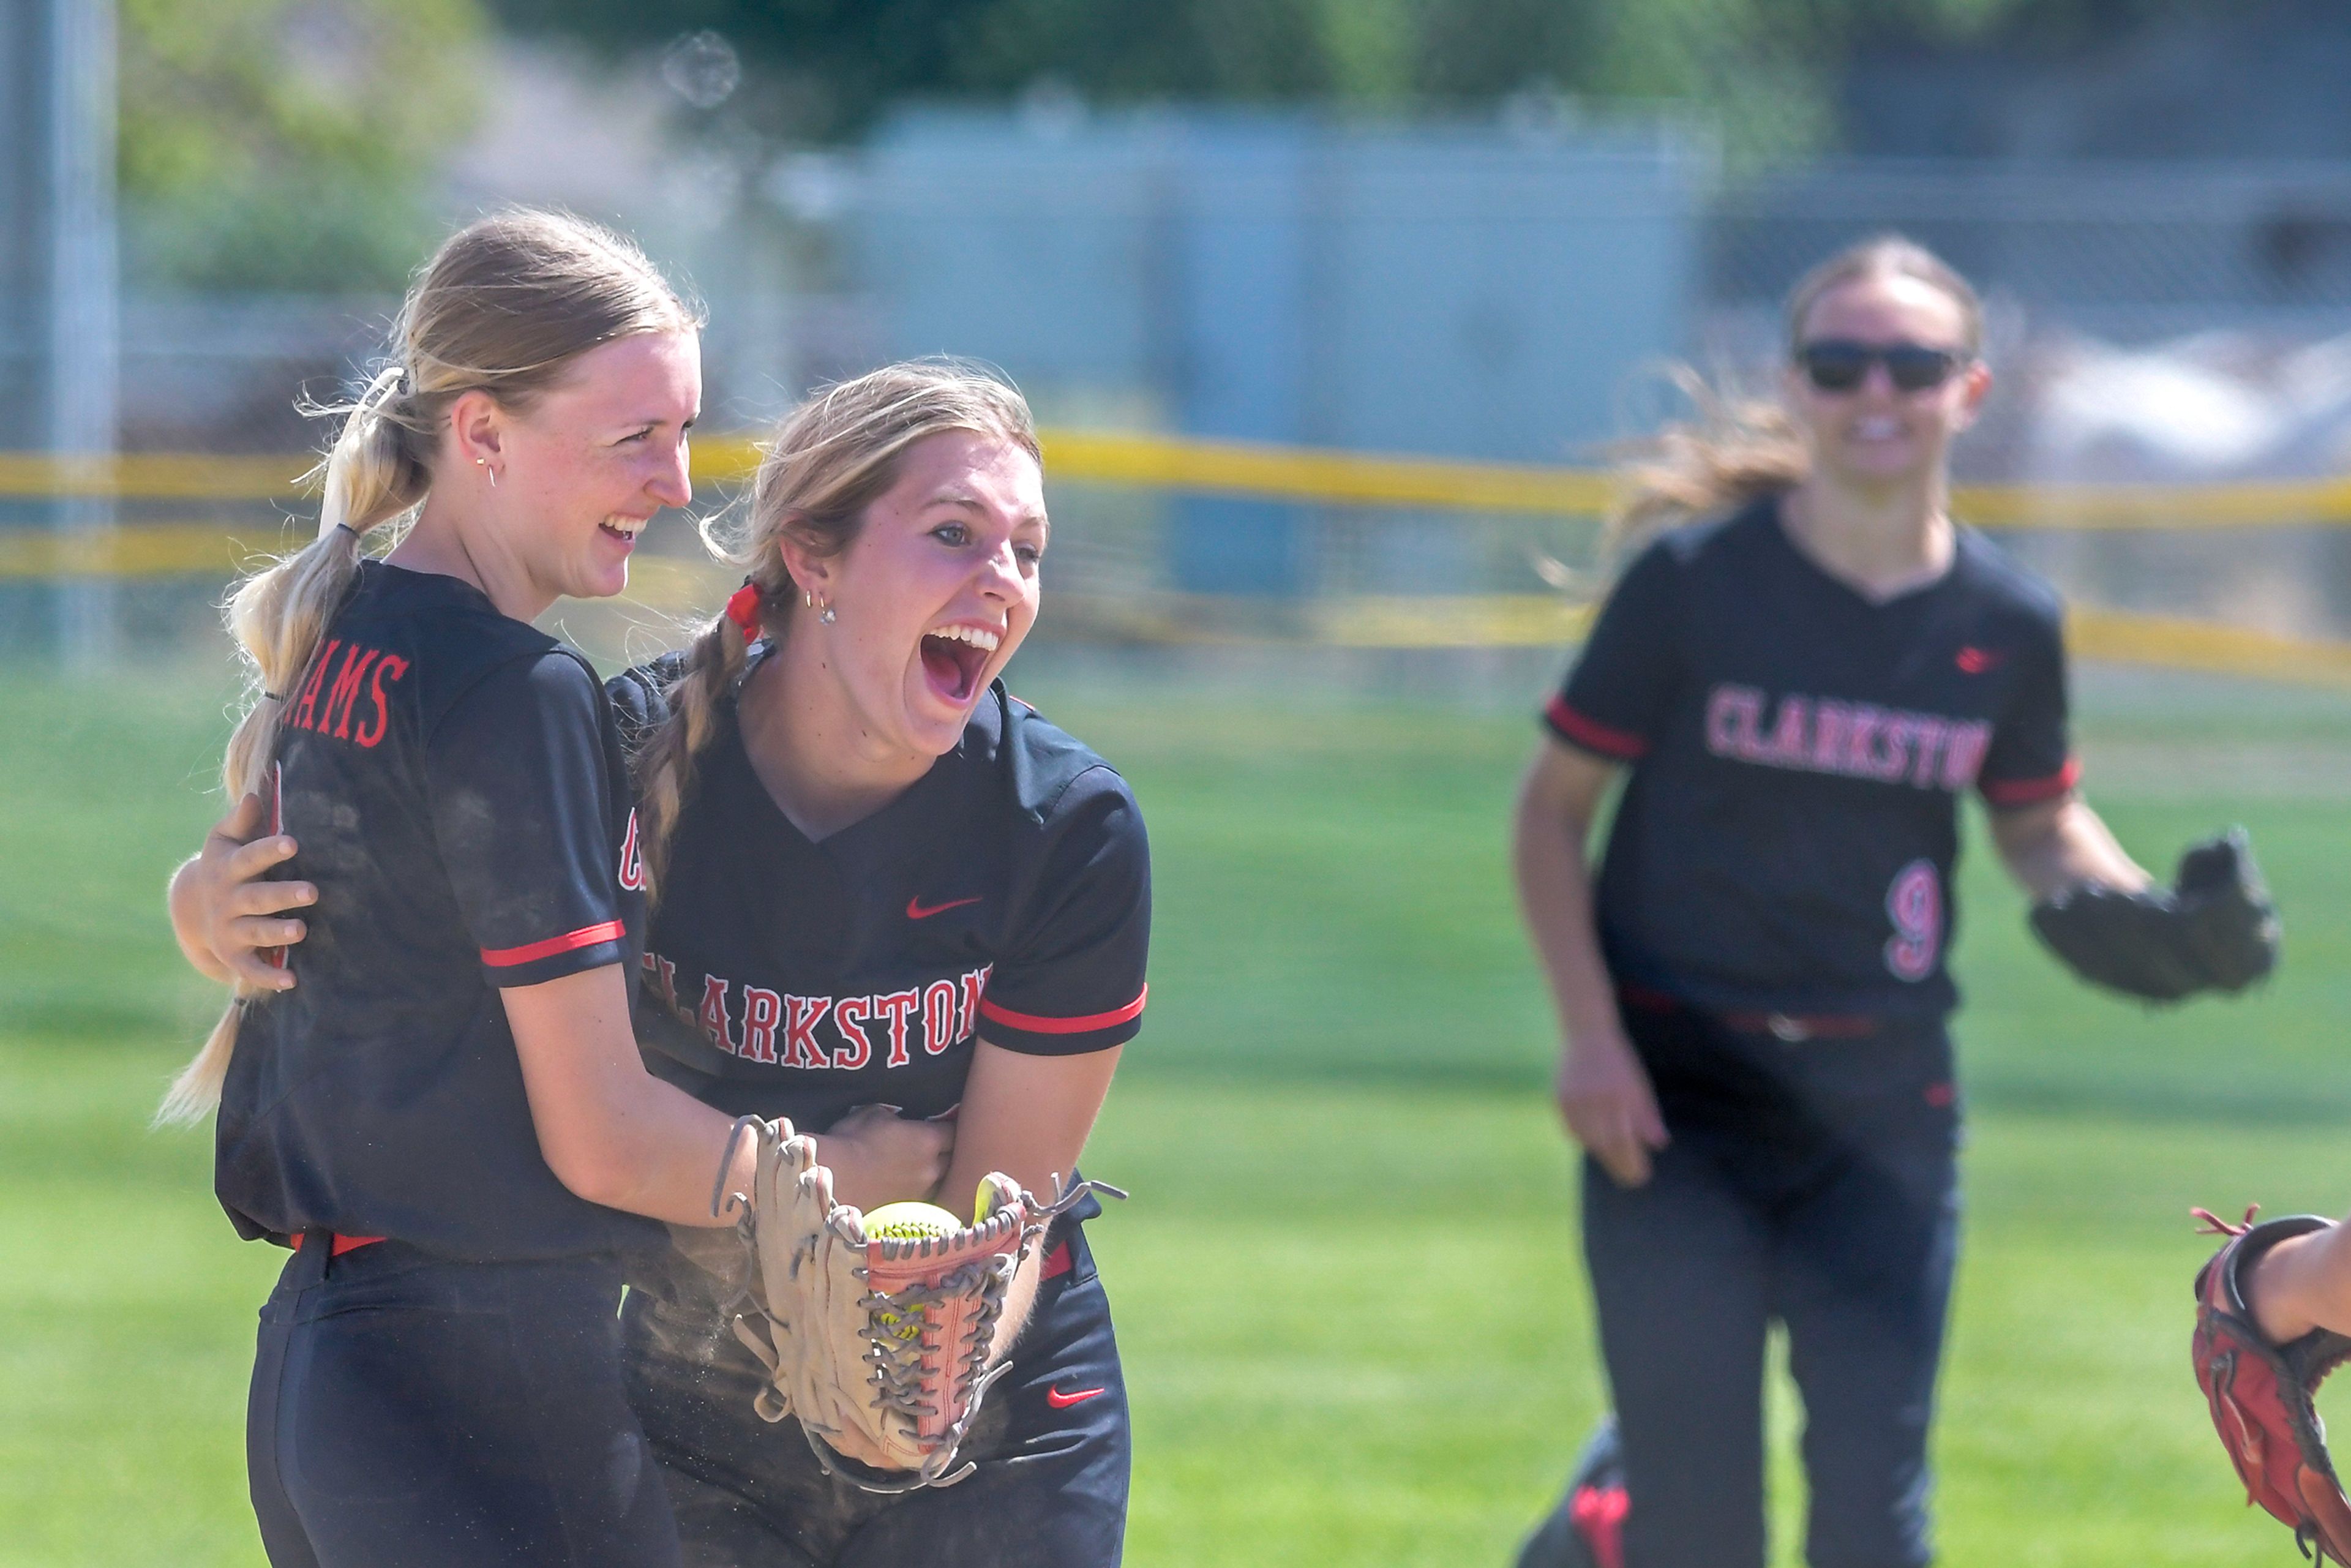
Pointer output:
484, 464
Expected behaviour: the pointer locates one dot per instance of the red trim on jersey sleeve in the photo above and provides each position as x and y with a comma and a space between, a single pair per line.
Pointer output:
1592, 736
2033, 791
1035, 1025
586, 936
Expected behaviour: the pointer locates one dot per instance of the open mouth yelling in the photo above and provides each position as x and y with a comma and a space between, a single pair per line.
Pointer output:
954, 658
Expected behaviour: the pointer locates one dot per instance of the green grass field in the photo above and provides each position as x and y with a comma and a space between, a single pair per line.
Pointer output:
1347, 1286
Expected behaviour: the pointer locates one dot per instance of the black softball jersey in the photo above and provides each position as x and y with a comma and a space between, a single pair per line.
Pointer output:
455, 782
1004, 896
1787, 835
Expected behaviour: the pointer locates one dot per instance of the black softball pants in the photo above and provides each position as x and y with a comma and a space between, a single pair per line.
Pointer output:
411, 1412
1810, 1183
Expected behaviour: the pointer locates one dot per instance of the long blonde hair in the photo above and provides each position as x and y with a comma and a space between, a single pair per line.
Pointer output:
1735, 449
830, 458
504, 306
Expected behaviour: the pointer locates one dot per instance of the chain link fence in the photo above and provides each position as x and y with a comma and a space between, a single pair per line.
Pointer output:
2171, 326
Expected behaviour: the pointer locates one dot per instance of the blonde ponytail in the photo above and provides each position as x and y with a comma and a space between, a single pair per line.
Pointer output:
830, 458
503, 307
1730, 451
278, 616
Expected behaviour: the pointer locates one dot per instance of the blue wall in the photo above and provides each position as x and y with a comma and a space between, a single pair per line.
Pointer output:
1454, 288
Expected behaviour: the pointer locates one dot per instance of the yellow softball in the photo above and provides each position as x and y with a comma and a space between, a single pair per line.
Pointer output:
907, 1222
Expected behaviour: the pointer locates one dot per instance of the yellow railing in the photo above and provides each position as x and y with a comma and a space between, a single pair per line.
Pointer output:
145, 546
1253, 471
152, 477
135, 550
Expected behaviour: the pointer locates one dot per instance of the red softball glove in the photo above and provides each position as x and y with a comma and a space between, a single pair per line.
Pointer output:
2260, 1393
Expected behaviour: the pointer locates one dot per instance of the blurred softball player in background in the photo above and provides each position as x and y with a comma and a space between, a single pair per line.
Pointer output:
1797, 680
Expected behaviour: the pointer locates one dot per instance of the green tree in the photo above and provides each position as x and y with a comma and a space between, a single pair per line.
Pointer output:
288, 143
1766, 70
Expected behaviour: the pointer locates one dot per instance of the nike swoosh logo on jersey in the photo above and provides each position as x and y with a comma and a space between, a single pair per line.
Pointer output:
915, 910
1976, 661
1060, 1401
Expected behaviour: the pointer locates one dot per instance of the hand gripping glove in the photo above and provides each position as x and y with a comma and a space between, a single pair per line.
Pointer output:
880, 1347
2260, 1393
2213, 929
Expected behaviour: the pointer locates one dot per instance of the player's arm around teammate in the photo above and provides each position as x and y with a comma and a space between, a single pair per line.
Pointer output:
446, 1116
896, 906
232, 920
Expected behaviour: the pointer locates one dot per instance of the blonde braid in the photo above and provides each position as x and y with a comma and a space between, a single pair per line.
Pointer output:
665, 764
278, 616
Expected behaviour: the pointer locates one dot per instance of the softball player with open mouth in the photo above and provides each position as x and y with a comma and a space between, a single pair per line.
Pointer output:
894, 905
434, 1098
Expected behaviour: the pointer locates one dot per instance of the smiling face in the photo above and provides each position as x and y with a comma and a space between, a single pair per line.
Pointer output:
585, 465
932, 597
1875, 436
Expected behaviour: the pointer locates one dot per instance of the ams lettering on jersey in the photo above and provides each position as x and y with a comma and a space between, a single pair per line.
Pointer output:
1853, 741
325, 702
843, 1034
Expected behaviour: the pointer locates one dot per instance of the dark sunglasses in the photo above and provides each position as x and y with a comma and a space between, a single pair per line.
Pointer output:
1840, 364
